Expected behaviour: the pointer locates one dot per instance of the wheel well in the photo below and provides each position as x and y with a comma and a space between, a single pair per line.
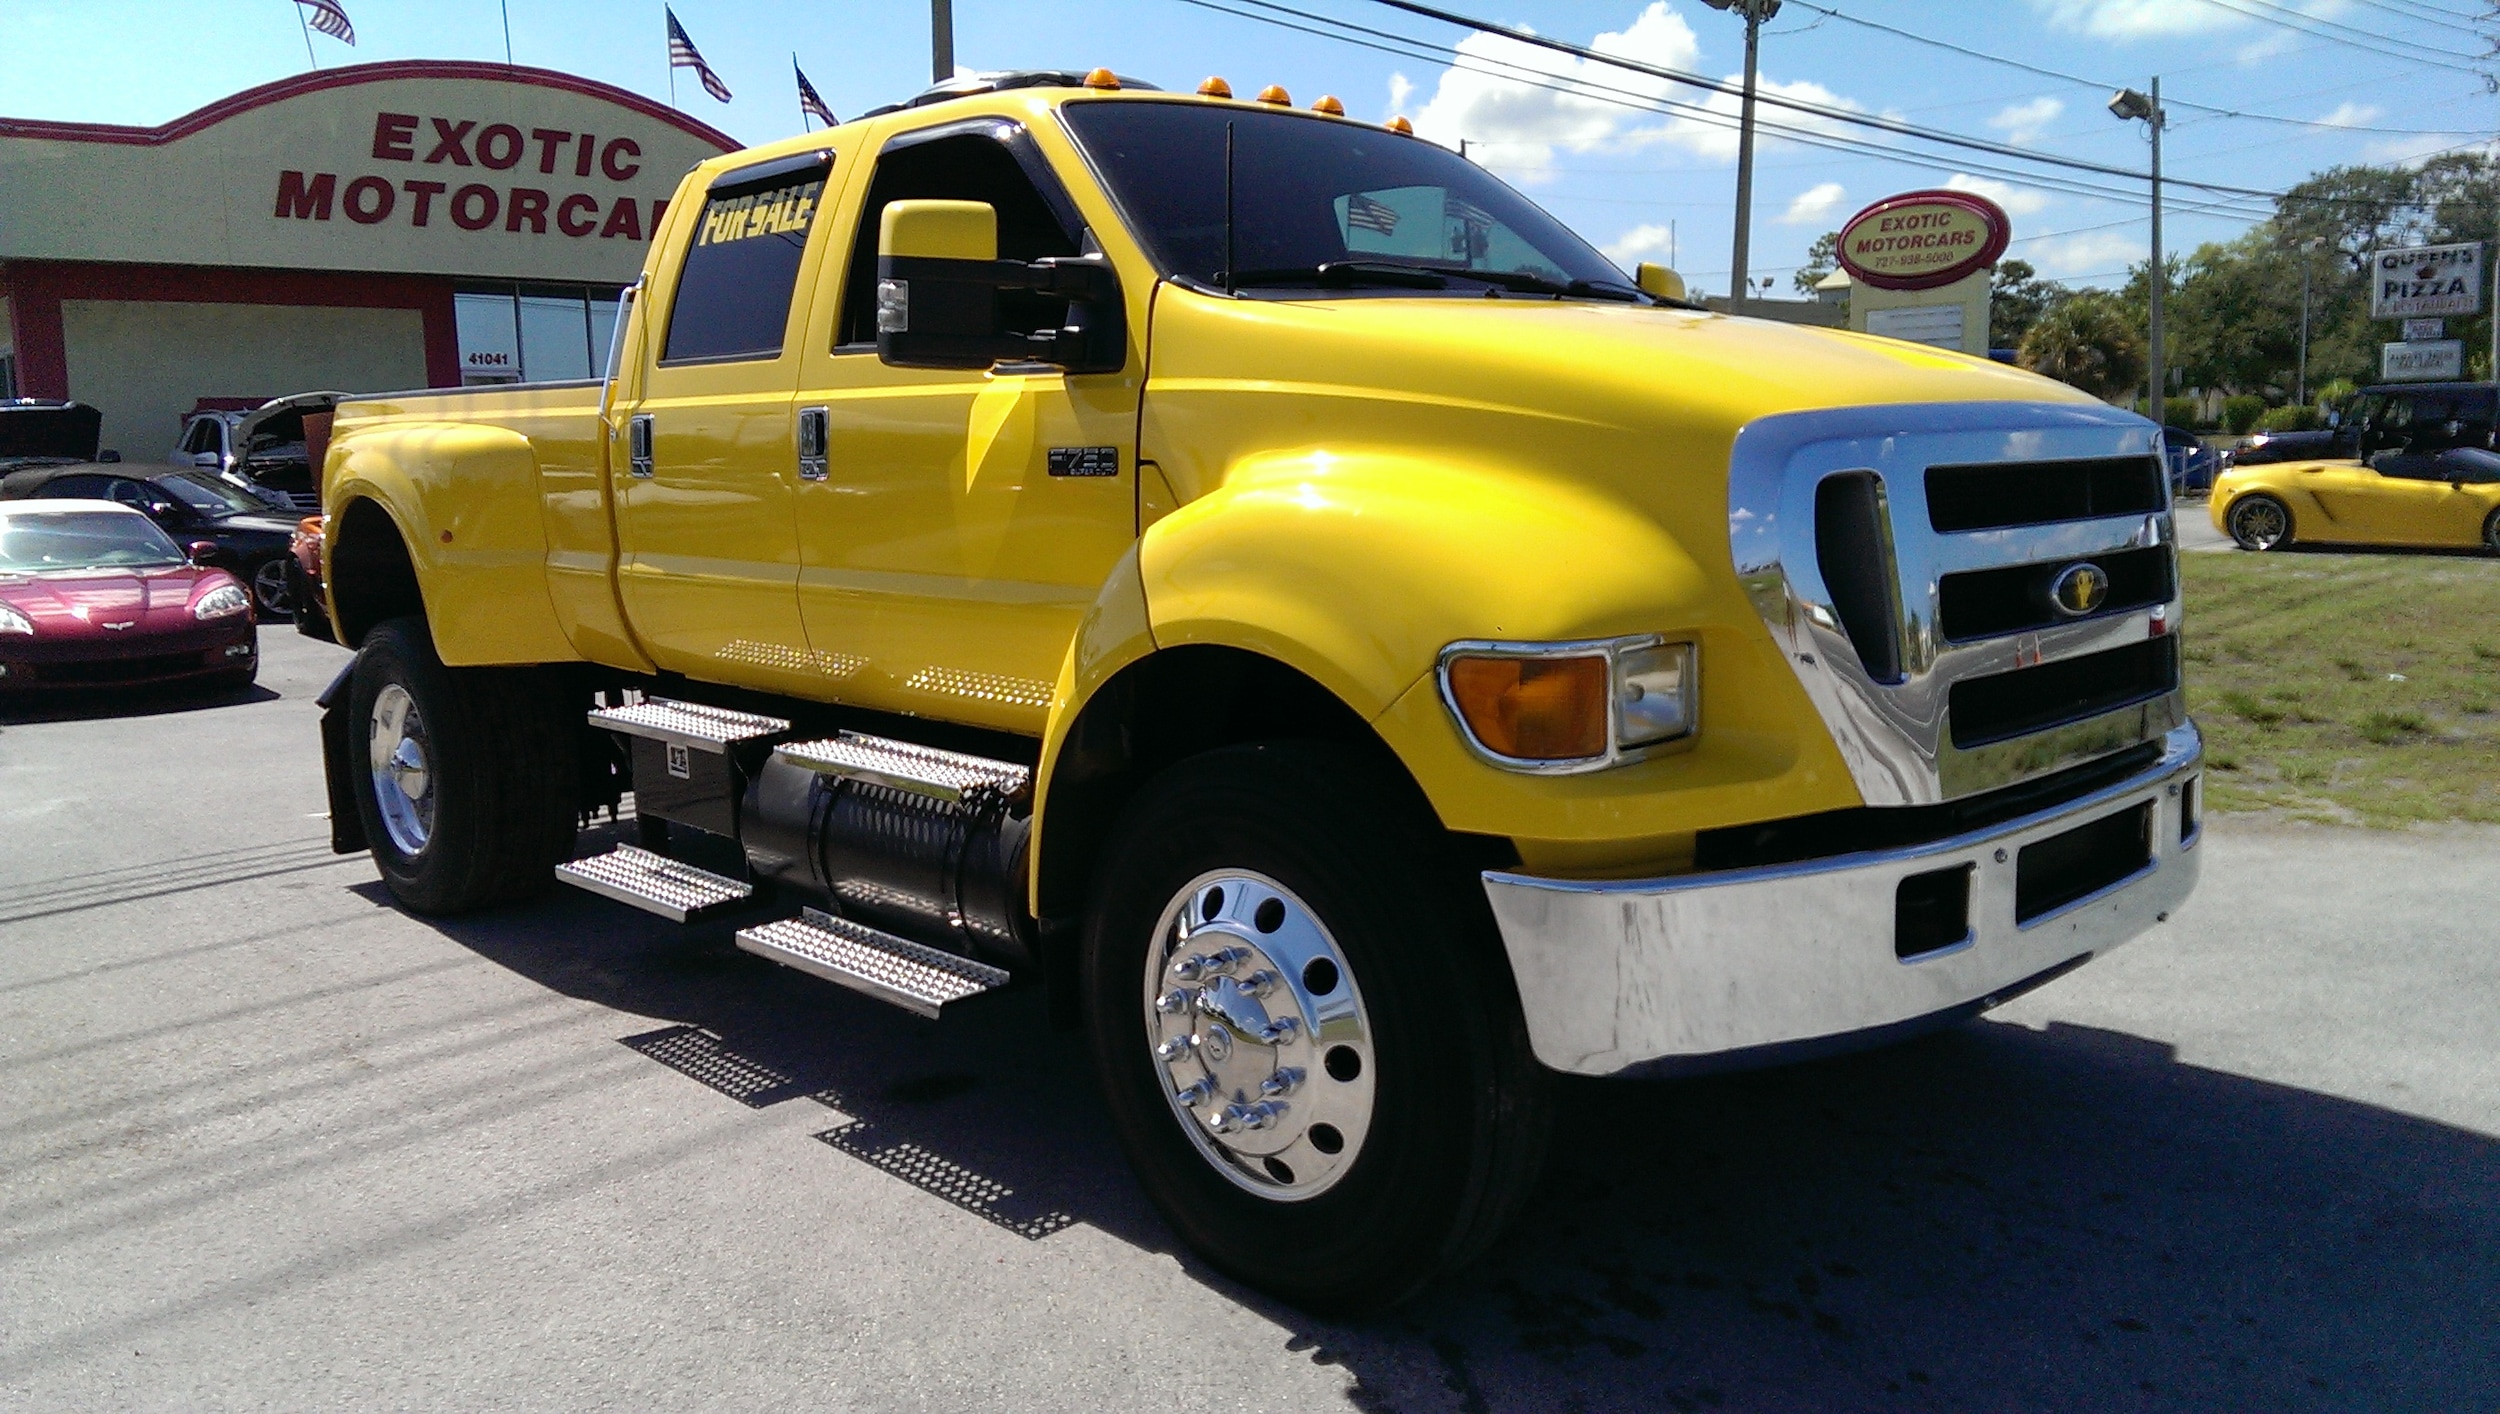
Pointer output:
1171, 705
371, 578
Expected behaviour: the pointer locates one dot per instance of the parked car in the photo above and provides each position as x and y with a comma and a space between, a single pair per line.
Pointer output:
303, 581
94, 594
43, 432
196, 506
264, 451
2427, 417
2268, 447
2190, 461
2421, 496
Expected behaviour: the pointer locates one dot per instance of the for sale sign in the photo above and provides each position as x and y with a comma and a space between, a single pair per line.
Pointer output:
2427, 281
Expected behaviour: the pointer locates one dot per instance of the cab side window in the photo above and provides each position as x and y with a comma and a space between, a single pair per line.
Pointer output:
964, 167
733, 291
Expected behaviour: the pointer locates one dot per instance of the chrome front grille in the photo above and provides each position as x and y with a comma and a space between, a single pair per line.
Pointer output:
1905, 559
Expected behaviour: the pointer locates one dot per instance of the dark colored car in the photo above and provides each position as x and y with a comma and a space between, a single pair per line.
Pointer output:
93, 594
194, 507
2420, 419
269, 451
2192, 464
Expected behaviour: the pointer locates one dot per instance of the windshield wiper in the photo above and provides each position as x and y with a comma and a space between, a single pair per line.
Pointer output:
1348, 272
1525, 283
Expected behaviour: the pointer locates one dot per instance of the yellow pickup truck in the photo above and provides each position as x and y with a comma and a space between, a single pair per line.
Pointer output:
1258, 578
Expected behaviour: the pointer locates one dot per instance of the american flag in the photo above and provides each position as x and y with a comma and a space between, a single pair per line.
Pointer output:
812, 103
328, 17
1365, 214
683, 55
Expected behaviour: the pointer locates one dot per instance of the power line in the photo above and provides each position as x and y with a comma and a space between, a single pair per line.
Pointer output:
2078, 79
2262, 17
2443, 18
2225, 205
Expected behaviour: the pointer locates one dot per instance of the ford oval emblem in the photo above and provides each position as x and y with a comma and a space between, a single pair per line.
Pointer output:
2079, 589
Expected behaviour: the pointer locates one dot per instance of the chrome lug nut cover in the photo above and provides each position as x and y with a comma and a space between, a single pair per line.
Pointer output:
1271, 1080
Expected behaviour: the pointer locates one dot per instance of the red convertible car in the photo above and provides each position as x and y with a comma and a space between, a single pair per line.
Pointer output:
93, 594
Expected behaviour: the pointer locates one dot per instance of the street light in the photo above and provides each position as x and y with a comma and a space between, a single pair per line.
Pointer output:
1754, 12
2129, 106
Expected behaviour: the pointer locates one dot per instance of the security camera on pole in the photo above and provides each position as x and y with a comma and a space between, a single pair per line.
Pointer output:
2128, 106
1754, 12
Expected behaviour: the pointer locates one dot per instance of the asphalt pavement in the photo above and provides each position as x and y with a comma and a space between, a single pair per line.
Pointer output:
267, 1142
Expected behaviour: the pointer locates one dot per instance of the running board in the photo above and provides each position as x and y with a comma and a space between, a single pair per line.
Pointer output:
912, 976
656, 883
694, 724
949, 777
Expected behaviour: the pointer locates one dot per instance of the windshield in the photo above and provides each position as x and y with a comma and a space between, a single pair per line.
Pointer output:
33, 542
208, 495
1313, 192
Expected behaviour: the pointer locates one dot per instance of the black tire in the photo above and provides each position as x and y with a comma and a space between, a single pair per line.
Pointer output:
1459, 1113
496, 758
2491, 533
311, 619
2248, 521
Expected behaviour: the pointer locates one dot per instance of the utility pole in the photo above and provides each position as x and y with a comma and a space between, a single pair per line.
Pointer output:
2300, 380
1754, 13
941, 40
2128, 105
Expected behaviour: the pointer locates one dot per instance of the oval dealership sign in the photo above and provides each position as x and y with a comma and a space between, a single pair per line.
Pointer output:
1919, 240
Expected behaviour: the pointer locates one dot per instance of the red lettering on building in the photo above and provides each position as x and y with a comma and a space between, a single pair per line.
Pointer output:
548, 140
578, 214
527, 204
625, 219
369, 200
473, 207
581, 157
394, 137
424, 192
306, 201
449, 142
622, 146
499, 147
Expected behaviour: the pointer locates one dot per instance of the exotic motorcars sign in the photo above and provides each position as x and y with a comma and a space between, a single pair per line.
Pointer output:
2427, 280
1922, 239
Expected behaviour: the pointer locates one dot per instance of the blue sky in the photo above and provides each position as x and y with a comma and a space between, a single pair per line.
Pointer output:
1635, 181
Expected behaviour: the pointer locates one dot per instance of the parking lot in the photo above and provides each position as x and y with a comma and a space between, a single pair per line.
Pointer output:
269, 1142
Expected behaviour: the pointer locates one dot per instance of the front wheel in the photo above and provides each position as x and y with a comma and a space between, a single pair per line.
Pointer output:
466, 778
270, 588
2491, 533
2259, 522
1302, 1021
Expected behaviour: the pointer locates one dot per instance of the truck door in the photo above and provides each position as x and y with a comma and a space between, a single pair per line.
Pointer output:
705, 466
961, 522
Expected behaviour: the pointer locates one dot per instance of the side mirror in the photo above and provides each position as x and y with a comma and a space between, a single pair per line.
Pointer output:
201, 551
1656, 279
938, 282
208, 459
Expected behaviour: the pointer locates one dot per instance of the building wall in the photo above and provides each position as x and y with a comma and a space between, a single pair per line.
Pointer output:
145, 363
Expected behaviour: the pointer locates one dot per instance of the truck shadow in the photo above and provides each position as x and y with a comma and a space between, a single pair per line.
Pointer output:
1998, 1217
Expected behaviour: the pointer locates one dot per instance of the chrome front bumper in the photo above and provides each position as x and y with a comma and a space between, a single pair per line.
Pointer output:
1758, 966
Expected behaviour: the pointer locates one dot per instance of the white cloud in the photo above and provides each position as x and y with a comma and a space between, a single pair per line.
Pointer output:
2414, 149
2024, 122
1644, 242
2088, 253
1517, 106
2349, 114
2136, 19
1814, 205
1401, 88
2017, 201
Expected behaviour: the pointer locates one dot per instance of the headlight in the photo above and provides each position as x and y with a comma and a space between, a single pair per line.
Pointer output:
11, 621
223, 602
1569, 707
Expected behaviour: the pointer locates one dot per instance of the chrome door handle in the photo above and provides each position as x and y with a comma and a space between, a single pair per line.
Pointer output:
815, 432
638, 460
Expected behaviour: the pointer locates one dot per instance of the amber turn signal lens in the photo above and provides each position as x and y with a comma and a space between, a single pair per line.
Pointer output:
1533, 709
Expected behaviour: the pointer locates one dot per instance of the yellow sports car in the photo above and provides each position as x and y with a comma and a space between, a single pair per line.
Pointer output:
2426, 476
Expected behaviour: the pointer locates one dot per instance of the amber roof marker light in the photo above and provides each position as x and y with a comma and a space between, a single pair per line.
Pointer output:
1329, 105
1401, 127
1103, 79
1275, 93
1213, 86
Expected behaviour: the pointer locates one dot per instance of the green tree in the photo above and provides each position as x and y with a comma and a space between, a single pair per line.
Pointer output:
2093, 341
2017, 297
1822, 258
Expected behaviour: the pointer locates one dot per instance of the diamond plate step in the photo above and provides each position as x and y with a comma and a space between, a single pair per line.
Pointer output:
689, 723
655, 883
891, 969
923, 770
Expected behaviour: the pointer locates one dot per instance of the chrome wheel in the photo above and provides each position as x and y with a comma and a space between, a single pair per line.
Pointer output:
269, 587
403, 784
1257, 1025
2260, 523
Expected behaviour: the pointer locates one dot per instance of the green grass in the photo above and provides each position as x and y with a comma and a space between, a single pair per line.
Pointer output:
2347, 687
